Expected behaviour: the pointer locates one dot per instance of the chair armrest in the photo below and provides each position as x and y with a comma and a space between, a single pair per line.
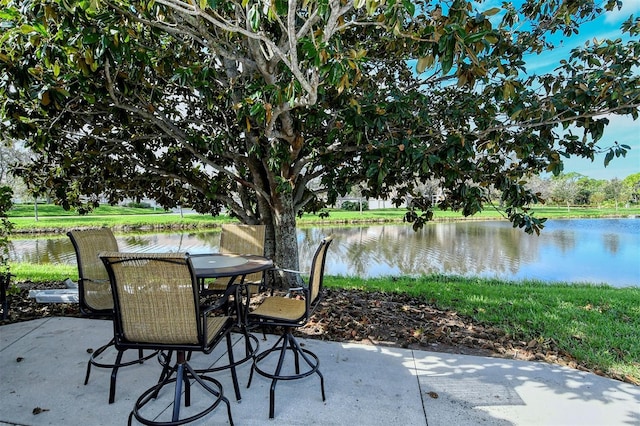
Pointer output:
222, 301
303, 288
291, 271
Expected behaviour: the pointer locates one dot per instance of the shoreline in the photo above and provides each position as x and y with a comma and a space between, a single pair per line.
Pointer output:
205, 224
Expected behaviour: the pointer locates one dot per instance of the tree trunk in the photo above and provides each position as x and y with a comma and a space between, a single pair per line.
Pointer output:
286, 239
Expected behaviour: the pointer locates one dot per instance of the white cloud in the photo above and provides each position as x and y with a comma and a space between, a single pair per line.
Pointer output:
629, 7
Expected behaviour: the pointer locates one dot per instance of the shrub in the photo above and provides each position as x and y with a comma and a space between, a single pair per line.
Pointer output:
139, 205
354, 206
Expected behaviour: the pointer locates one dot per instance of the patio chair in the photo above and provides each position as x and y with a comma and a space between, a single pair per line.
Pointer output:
94, 291
240, 239
289, 312
157, 307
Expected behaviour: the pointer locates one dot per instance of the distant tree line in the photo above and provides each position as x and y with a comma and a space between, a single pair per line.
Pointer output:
574, 189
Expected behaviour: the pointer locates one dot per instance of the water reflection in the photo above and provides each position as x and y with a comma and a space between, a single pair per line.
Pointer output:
585, 250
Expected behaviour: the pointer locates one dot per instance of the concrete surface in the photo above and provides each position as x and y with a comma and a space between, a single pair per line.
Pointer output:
43, 365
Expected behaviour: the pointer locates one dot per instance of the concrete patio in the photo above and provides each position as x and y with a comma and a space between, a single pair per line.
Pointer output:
43, 366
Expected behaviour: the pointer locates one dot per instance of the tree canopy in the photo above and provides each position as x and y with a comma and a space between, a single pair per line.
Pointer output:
271, 108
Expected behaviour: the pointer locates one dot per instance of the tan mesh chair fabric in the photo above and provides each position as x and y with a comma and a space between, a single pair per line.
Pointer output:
281, 308
317, 269
215, 324
94, 280
157, 296
241, 239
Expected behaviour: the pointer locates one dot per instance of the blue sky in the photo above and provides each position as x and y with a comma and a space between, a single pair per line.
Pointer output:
621, 129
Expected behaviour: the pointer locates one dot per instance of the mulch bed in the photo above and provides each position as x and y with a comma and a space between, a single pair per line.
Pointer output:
375, 318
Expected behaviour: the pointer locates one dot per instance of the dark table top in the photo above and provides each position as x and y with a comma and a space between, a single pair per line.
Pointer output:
217, 265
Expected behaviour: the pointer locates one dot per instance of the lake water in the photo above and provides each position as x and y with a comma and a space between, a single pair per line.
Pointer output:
578, 250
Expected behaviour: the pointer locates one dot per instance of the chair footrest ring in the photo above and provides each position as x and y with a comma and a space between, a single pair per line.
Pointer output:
99, 364
311, 359
152, 394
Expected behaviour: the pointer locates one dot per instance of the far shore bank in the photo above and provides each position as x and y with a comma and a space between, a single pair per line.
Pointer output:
50, 221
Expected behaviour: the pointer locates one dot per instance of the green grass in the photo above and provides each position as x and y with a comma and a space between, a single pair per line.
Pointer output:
23, 271
52, 217
598, 325
137, 221
28, 210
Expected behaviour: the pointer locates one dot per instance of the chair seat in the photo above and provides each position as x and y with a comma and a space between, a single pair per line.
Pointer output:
281, 308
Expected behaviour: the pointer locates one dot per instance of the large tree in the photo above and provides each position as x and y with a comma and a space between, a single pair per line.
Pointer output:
269, 108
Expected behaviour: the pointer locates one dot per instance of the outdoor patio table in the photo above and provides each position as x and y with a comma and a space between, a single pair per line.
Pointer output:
216, 265
234, 266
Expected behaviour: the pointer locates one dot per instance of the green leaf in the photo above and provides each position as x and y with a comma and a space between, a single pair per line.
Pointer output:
474, 38
608, 158
411, 8
492, 11
254, 17
26, 29
447, 62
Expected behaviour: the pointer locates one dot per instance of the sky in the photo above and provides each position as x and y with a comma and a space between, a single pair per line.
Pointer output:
620, 129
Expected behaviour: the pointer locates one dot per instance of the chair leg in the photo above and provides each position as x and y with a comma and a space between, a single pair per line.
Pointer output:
95, 355
178, 392
285, 343
313, 363
114, 373
295, 351
234, 374
93, 361
218, 393
184, 372
276, 375
262, 356
167, 369
233, 363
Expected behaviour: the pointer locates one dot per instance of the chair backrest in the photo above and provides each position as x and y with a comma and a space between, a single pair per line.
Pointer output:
156, 299
243, 239
93, 284
316, 277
